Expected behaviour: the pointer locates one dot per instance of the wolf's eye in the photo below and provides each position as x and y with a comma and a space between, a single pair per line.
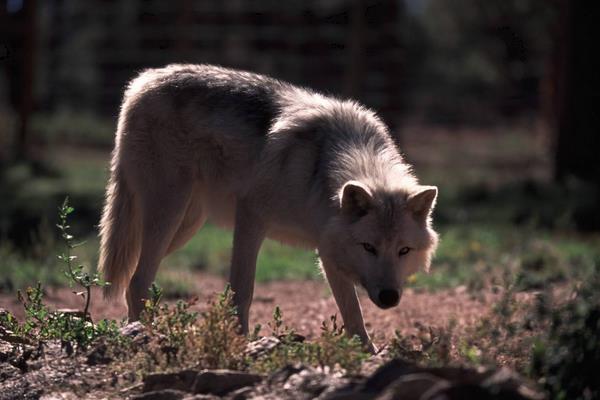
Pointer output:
403, 251
369, 247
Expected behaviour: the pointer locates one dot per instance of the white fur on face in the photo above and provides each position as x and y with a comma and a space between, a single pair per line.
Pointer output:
387, 268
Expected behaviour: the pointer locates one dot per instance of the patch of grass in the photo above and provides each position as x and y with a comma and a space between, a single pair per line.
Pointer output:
18, 271
176, 283
210, 250
566, 356
478, 255
76, 127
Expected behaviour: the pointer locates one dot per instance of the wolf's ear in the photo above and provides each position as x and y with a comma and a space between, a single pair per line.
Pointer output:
422, 201
355, 199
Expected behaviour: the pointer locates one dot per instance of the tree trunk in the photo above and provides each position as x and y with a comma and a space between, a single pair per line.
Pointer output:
577, 89
575, 116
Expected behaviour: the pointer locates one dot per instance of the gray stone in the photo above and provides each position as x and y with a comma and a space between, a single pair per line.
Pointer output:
221, 382
182, 380
6, 350
241, 394
60, 396
415, 386
261, 346
282, 375
8, 371
132, 329
164, 394
99, 355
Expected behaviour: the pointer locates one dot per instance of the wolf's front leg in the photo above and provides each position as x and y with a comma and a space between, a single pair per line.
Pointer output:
248, 236
346, 298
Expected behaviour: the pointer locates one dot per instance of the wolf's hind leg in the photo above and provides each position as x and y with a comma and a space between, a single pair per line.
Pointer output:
248, 236
346, 298
162, 211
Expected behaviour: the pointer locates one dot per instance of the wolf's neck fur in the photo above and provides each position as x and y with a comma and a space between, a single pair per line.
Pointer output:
353, 143
363, 150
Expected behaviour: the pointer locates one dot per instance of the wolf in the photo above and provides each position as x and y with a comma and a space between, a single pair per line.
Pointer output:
266, 159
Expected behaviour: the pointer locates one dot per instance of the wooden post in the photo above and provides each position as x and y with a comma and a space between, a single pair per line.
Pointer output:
355, 48
23, 142
577, 91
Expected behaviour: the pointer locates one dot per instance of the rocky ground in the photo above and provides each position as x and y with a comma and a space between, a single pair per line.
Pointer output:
48, 372
53, 371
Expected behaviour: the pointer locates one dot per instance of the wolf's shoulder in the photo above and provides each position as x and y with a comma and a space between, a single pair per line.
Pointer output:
303, 108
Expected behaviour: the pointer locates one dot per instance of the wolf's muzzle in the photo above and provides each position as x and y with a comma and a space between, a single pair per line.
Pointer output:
388, 298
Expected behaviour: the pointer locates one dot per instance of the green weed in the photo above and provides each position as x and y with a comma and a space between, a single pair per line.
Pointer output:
71, 327
566, 357
178, 338
210, 250
333, 348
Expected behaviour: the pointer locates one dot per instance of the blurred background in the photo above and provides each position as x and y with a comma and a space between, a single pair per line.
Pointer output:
494, 101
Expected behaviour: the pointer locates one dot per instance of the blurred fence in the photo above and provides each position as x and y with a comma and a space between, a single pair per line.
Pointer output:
87, 51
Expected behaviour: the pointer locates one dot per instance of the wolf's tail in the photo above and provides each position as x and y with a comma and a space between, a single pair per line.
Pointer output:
120, 236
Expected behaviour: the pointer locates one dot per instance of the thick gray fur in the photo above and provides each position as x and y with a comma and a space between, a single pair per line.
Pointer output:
267, 159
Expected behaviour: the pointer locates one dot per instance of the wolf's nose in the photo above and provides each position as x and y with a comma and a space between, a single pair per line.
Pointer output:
389, 297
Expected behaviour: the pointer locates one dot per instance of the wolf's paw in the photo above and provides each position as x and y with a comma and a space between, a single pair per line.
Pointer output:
371, 347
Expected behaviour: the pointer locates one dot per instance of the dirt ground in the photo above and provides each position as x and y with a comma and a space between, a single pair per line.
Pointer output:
306, 304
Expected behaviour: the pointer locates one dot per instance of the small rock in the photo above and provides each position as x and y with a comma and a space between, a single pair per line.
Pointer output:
99, 355
280, 376
182, 380
314, 382
292, 337
507, 381
60, 396
261, 346
386, 374
463, 392
220, 382
165, 394
241, 394
9, 337
6, 350
466, 376
8, 371
132, 329
414, 387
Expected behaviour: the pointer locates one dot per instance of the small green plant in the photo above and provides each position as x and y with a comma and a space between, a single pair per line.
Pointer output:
151, 304
179, 338
278, 328
221, 344
71, 327
75, 272
168, 328
333, 349
37, 316
566, 359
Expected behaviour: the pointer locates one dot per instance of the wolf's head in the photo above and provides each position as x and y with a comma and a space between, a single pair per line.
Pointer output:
380, 238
